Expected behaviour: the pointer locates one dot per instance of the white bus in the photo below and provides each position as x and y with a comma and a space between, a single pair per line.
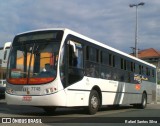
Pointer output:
53, 68
3, 60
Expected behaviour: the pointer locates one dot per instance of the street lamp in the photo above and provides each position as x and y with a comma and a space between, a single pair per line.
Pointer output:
136, 29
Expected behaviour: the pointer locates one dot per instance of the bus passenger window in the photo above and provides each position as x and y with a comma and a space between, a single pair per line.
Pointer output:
92, 54
122, 63
112, 60
152, 73
104, 58
140, 69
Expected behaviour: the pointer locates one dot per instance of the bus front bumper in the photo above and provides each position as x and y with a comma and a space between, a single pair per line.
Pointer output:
56, 99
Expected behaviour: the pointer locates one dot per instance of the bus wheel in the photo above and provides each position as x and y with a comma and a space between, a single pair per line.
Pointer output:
49, 109
144, 101
94, 102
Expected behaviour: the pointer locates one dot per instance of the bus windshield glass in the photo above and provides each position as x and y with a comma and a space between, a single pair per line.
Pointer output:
33, 61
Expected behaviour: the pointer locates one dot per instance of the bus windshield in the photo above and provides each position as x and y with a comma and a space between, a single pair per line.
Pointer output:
33, 62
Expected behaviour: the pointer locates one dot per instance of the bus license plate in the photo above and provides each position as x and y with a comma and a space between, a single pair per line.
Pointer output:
27, 98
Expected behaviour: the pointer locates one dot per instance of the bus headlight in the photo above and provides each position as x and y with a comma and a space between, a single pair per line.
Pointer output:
50, 90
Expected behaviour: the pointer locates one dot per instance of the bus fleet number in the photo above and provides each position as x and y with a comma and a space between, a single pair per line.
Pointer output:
31, 89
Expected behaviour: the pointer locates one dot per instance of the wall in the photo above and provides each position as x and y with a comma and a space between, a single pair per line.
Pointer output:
158, 93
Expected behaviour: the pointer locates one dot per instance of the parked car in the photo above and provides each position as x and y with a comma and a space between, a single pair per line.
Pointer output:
2, 88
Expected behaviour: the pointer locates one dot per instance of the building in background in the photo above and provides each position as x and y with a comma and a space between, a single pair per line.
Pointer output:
152, 56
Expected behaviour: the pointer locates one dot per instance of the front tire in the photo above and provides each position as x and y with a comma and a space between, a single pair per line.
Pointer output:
94, 102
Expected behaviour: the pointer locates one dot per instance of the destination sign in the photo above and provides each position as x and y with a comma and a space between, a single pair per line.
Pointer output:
38, 36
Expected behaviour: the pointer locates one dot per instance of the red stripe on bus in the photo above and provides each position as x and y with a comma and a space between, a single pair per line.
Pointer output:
22, 81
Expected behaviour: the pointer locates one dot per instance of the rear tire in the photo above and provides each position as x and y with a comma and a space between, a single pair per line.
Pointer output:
143, 103
94, 102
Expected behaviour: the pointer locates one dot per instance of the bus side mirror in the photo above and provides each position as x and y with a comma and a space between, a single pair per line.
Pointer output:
71, 43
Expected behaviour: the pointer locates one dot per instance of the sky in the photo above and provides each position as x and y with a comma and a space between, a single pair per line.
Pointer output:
111, 22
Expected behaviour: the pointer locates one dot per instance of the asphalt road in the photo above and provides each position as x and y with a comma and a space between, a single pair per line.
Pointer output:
123, 115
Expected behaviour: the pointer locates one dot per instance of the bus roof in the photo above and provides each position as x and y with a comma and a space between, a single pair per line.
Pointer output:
68, 31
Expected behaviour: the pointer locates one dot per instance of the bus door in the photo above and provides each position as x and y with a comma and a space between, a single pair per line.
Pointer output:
75, 62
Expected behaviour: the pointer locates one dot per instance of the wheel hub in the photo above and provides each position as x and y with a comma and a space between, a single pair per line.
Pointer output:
94, 102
